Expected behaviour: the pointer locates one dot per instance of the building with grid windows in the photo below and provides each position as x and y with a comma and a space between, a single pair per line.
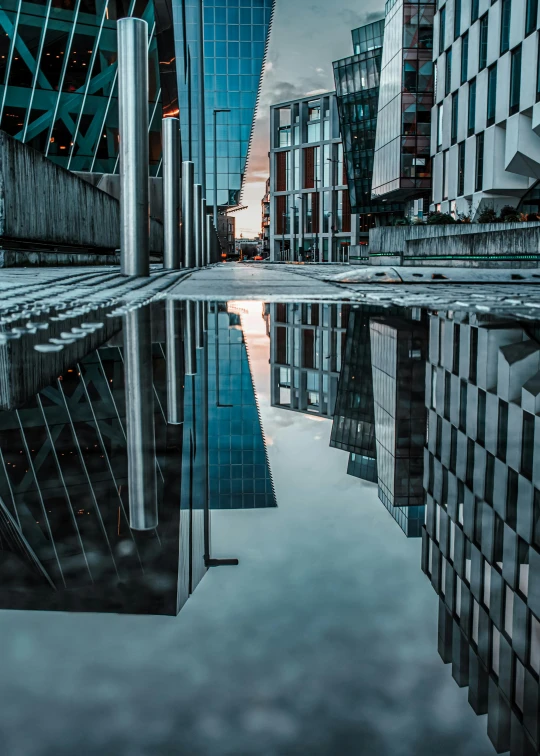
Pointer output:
234, 38
357, 81
402, 163
58, 78
306, 346
310, 212
481, 541
485, 138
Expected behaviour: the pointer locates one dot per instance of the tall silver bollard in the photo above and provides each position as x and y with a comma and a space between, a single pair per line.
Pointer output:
188, 239
197, 226
133, 129
208, 251
204, 216
175, 362
171, 193
141, 443
190, 339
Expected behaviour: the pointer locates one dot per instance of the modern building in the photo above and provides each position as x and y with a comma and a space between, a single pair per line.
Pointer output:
58, 78
226, 233
357, 80
306, 343
402, 162
227, 76
481, 542
485, 142
265, 220
310, 213
398, 362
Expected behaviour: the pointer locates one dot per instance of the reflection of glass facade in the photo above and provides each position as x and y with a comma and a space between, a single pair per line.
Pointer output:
398, 360
306, 342
402, 165
235, 37
58, 75
357, 90
481, 542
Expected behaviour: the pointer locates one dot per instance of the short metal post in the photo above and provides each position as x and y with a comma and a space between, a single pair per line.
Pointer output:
171, 193
197, 225
208, 250
190, 354
175, 362
204, 216
133, 130
187, 213
141, 443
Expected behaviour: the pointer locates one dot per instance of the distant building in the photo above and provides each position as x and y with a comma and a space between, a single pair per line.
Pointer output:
265, 220
481, 541
357, 89
310, 213
402, 162
248, 247
226, 233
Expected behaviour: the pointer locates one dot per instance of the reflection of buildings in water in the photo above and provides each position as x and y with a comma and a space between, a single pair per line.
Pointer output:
481, 542
64, 485
306, 342
398, 361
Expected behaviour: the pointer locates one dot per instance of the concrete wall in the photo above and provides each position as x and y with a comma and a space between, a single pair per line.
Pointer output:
462, 242
43, 203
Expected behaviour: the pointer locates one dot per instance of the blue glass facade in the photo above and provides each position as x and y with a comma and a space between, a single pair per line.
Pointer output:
235, 38
58, 78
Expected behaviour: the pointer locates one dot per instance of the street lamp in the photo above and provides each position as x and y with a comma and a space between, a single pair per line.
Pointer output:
216, 111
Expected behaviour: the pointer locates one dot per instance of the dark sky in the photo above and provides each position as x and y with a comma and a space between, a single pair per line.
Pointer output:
306, 37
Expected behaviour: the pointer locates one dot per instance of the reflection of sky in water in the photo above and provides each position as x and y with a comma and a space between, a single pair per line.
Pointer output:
322, 641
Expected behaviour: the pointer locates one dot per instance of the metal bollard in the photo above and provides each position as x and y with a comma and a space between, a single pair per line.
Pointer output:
197, 224
133, 130
141, 442
208, 250
204, 216
188, 169
171, 193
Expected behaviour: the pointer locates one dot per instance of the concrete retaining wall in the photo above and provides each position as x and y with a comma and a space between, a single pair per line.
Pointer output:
43, 203
462, 244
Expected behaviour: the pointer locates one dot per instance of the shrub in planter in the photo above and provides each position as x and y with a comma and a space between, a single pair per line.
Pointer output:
488, 215
533, 217
440, 218
509, 214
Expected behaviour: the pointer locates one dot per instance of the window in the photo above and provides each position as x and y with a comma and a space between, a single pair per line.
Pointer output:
502, 430
453, 450
469, 473
481, 418
464, 57
511, 498
439, 126
527, 445
457, 18
490, 478
463, 406
475, 8
515, 80
448, 72
531, 16
442, 29
505, 25
455, 349
447, 395
482, 50
479, 163
492, 94
461, 169
454, 125
472, 107
508, 611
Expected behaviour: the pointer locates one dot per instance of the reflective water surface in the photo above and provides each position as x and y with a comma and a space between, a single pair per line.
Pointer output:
374, 472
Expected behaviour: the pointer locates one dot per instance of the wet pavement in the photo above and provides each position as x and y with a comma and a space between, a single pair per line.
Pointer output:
372, 467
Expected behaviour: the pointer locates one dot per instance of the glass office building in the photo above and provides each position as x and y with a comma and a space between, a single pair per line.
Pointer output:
235, 37
357, 90
58, 78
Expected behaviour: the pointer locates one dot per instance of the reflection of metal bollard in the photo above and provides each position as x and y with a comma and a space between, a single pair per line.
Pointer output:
141, 443
200, 324
187, 213
133, 131
204, 216
171, 193
208, 251
190, 354
197, 224
175, 362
